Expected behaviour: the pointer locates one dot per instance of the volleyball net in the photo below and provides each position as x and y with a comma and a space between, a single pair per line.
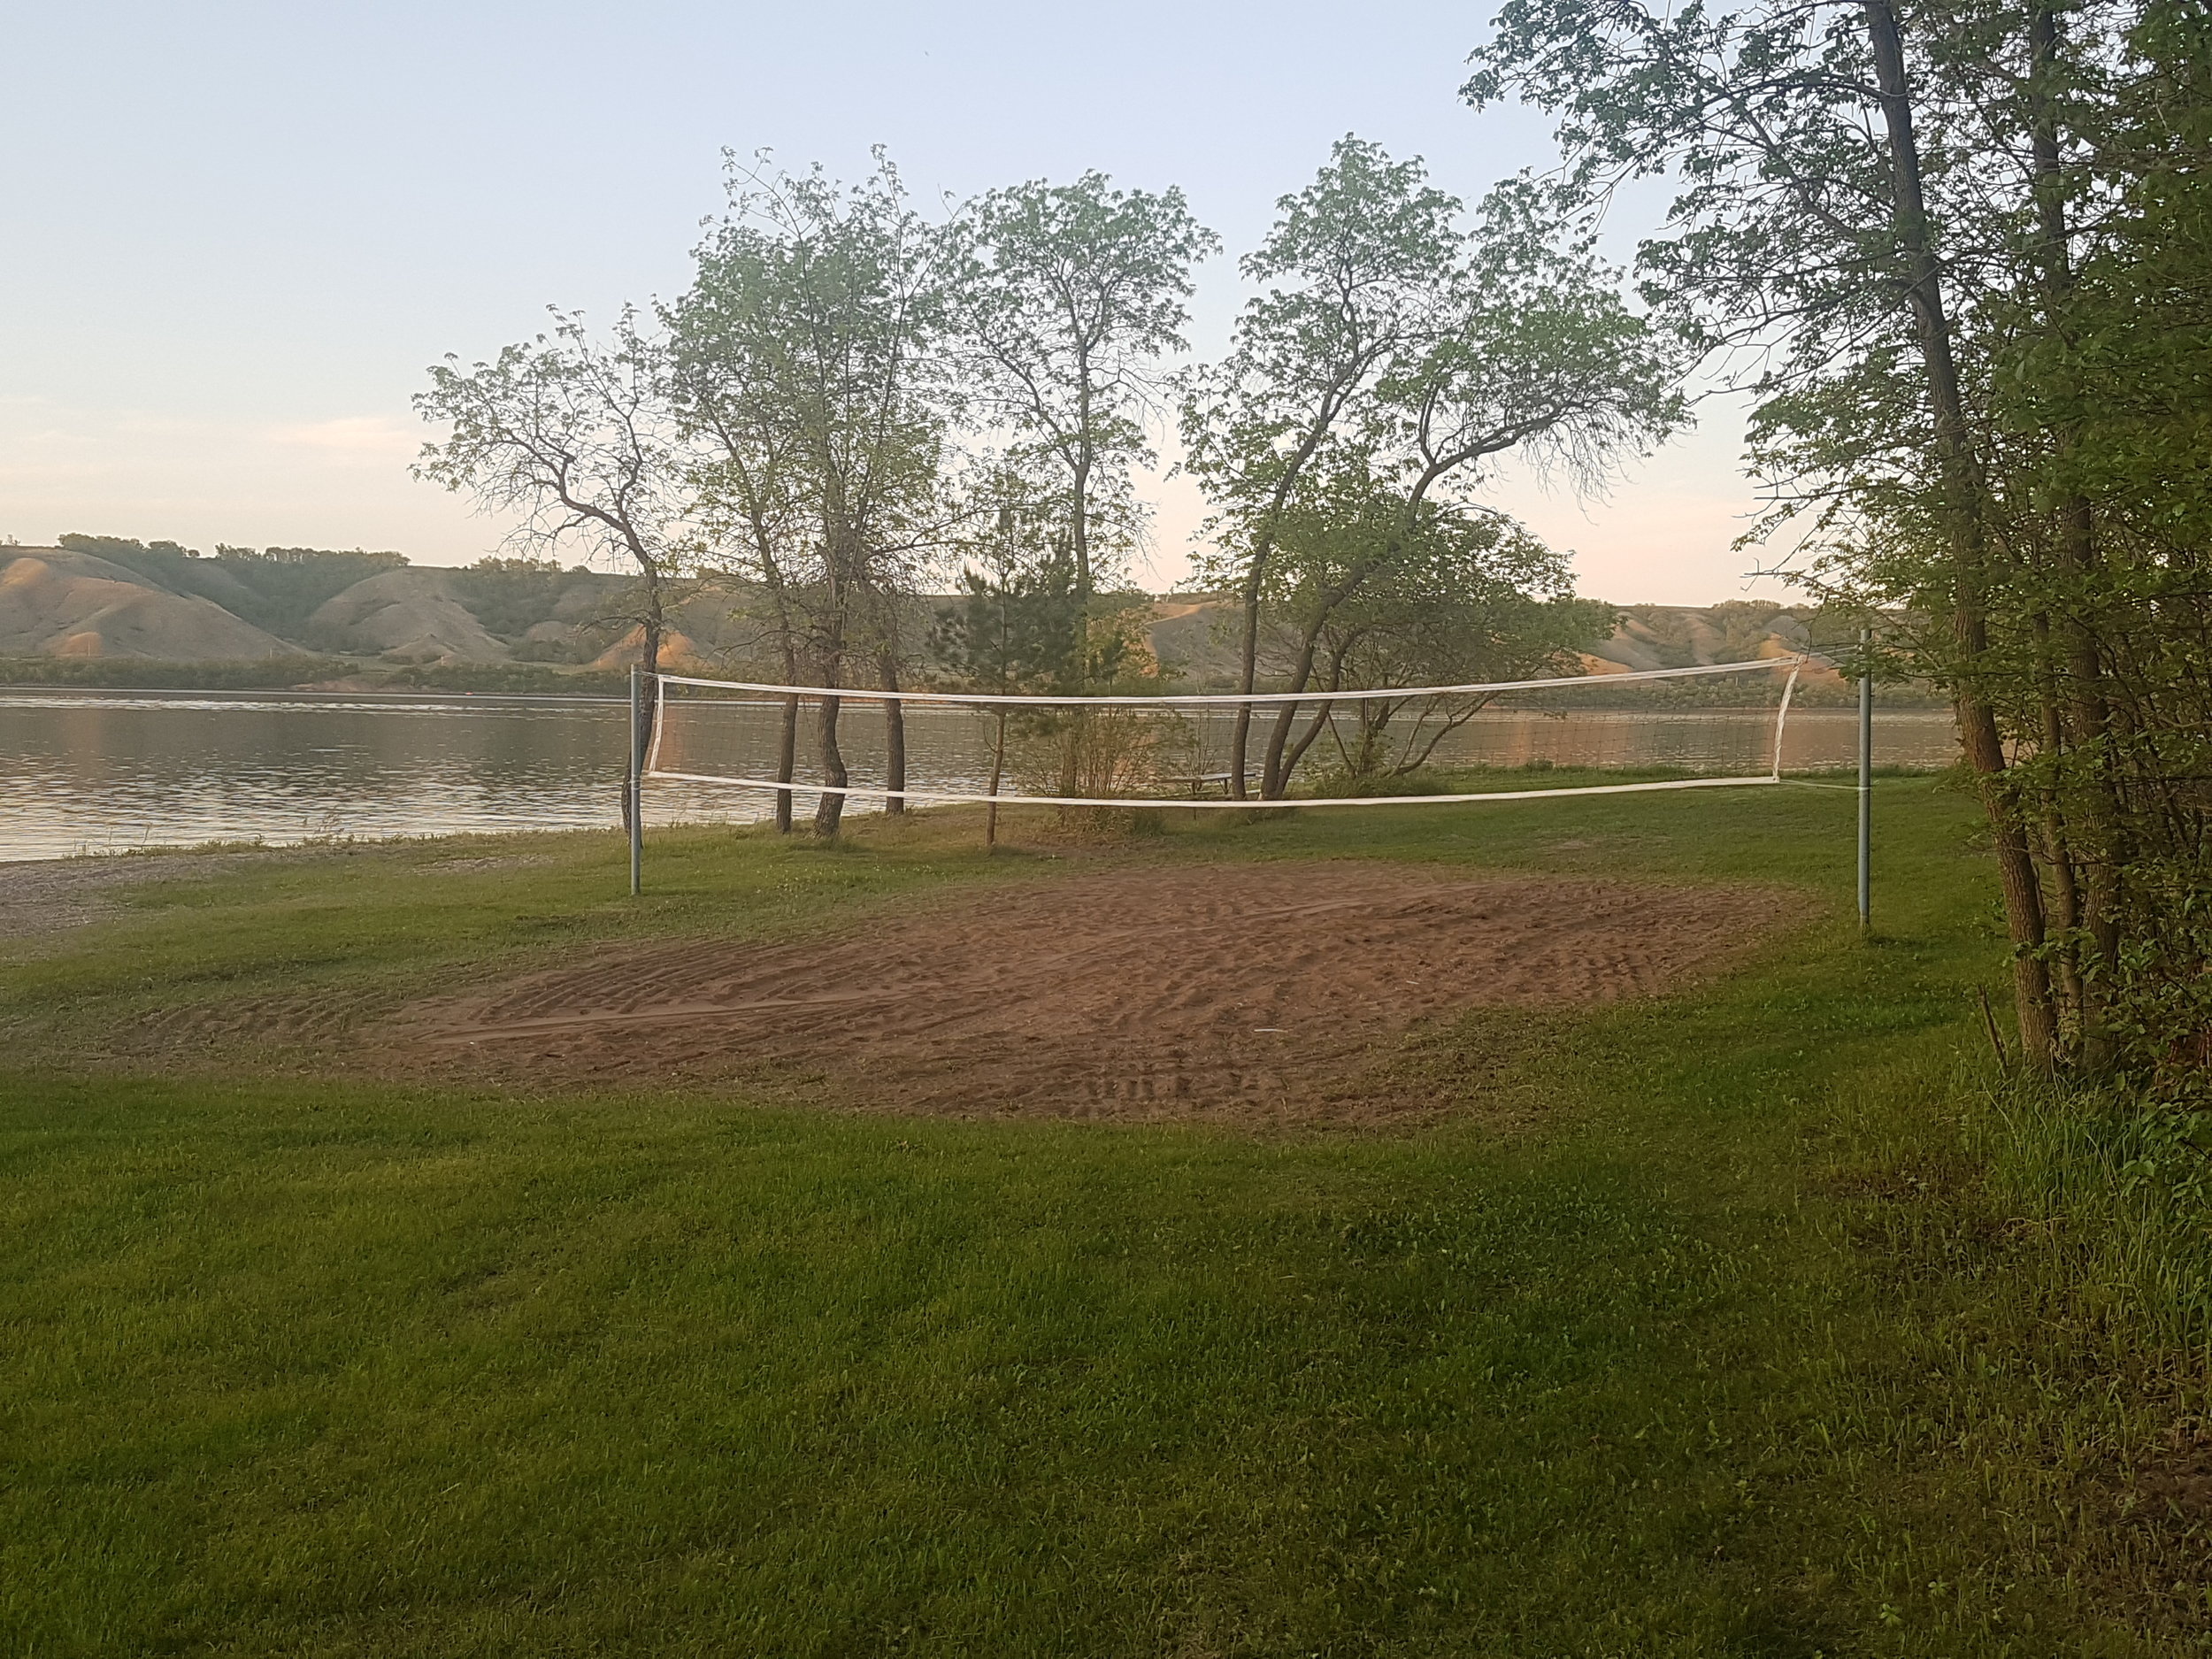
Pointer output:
1679, 728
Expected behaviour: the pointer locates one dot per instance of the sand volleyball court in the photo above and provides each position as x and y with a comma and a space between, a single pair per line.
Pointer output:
1253, 991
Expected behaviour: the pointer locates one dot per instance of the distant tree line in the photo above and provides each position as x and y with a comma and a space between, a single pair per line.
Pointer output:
1961, 254
853, 402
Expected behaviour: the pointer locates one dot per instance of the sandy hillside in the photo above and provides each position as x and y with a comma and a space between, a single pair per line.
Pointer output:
58, 603
412, 616
1189, 635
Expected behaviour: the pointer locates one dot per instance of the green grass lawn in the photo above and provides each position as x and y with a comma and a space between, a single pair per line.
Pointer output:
1710, 1335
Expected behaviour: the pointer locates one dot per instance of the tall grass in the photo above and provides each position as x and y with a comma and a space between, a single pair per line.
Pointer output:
2123, 1191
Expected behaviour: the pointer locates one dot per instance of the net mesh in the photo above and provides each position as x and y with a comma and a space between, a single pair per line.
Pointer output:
1668, 729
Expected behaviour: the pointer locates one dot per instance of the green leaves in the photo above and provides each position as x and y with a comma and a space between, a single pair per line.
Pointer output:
1970, 299
810, 352
572, 434
1402, 344
1357, 264
1401, 341
1066, 299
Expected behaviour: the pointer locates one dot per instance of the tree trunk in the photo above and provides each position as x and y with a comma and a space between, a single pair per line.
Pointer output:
1274, 776
2016, 876
2087, 706
1273, 780
831, 808
1297, 750
651, 663
2065, 904
1248, 668
649, 667
1080, 544
1289, 760
787, 760
841, 560
651, 623
894, 734
1977, 718
998, 772
649, 697
788, 736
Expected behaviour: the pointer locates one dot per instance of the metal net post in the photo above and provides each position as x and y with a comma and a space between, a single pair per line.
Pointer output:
635, 783
1866, 780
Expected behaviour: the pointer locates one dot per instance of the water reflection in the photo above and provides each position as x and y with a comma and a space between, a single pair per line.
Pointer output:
99, 771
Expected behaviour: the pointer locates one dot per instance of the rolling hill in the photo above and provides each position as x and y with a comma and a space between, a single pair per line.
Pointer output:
57, 602
97, 600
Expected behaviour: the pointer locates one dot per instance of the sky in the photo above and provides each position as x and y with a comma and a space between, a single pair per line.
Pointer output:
233, 236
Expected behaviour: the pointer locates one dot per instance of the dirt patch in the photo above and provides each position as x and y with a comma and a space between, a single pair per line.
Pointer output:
44, 897
52, 895
1259, 992
2169, 1491
2141, 1528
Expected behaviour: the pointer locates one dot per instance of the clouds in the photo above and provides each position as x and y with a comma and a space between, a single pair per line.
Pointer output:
368, 440
340, 480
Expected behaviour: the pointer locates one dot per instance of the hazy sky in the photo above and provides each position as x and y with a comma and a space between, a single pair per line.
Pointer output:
232, 235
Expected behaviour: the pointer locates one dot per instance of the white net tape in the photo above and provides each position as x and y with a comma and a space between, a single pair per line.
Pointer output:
1174, 751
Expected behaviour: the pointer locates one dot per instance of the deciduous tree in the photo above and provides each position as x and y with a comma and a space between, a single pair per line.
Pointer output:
1909, 225
573, 437
821, 307
1409, 353
1067, 298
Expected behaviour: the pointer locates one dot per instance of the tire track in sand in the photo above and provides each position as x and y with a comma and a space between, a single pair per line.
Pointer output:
1239, 992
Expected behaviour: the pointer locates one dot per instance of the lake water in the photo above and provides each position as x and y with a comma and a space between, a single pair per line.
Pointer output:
101, 772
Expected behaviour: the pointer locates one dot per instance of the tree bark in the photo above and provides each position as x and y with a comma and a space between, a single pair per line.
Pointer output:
786, 759
998, 772
831, 810
894, 734
1322, 717
1978, 733
786, 642
1333, 401
1079, 523
2066, 906
648, 666
2088, 707
1248, 666
1274, 778
1080, 544
1274, 775
843, 569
